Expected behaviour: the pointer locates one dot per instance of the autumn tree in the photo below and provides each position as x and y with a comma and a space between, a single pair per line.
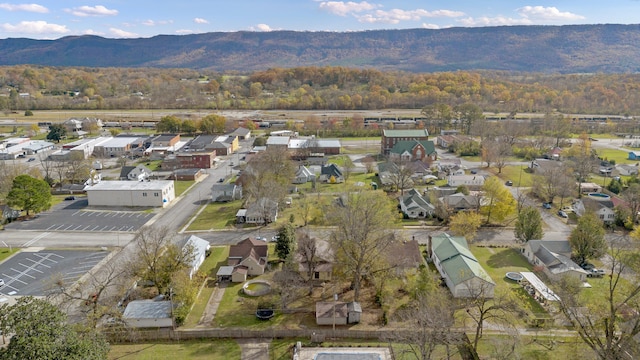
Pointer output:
528, 224
268, 175
361, 236
467, 114
607, 324
438, 116
213, 124
500, 204
587, 238
465, 223
29, 194
169, 124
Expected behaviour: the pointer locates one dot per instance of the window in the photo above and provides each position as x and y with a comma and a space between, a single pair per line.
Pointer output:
155, 194
316, 275
144, 194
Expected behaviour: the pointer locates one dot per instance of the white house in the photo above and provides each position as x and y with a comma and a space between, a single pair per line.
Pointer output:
627, 170
414, 206
468, 180
158, 193
225, 192
459, 268
555, 258
135, 173
303, 175
200, 248
601, 205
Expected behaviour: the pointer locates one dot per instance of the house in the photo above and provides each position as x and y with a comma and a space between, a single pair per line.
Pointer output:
555, 258
445, 141
461, 202
226, 192
634, 155
627, 170
230, 140
8, 214
303, 175
157, 193
188, 174
405, 256
242, 133
331, 173
200, 248
148, 314
586, 188
262, 211
135, 173
248, 258
414, 206
338, 313
278, 141
603, 207
391, 137
471, 181
118, 146
458, 267
321, 147
323, 262
411, 150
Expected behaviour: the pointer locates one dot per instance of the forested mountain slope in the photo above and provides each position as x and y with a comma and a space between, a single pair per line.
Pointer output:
550, 49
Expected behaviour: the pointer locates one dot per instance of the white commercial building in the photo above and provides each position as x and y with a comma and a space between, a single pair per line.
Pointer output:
158, 193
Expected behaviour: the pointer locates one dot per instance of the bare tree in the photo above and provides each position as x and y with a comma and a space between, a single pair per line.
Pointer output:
157, 258
308, 253
632, 197
347, 168
482, 305
77, 168
288, 282
361, 236
608, 326
400, 172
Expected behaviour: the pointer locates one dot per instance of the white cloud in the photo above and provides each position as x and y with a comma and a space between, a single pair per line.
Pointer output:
200, 21
494, 21
342, 8
35, 27
430, 26
122, 33
395, 16
547, 13
97, 10
92, 32
149, 23
24, 7
261, 27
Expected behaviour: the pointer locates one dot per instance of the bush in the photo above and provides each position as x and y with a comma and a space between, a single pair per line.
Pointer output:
28, 113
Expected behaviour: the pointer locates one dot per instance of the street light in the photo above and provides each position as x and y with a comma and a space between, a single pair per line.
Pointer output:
335, 299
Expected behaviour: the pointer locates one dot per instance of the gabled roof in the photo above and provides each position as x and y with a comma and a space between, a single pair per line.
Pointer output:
331, 170
405, 254
124, 172
405, 133
456, 259
249, 247
303, 171
200, 247
413, 198
241, 132
460, 200
408, 145
147, 309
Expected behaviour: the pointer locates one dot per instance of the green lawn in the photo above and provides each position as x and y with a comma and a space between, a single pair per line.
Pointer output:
181, 186
221, 349
209, 267
216, 216
517, 174
619, 156
5, 253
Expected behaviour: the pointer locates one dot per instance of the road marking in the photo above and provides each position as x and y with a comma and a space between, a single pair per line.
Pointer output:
13, 279
35, 239
29, 259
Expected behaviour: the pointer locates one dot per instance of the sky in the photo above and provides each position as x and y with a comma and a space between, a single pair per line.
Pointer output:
53, 19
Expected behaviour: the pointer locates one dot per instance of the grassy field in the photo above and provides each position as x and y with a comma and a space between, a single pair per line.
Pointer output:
518, 174
5, 253
216, 216
619, 156
182, 186
219, 349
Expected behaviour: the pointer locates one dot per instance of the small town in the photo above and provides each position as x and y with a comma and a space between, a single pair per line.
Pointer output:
257, 236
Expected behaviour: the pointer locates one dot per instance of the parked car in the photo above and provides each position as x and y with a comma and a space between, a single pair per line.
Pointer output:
562, 214
275, 238
587, 266
474, 172
221, 180
70, 198
509, 183
1, 282
546, 206
261, 238
595, 273
31, 159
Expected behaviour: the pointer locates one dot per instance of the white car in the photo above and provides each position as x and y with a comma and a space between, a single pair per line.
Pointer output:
1, 282
275, 238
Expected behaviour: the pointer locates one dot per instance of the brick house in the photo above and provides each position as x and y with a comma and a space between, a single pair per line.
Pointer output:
391, 137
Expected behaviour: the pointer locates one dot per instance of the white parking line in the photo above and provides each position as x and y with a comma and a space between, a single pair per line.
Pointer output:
77, 212
33, 261
12, 279
35, 239
94, 229
76, 272
28, 266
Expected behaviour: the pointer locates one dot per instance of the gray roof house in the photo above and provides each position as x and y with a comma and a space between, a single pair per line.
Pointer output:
555, 258
338, 313
414, 206
602, 206
460, 202
303, 175
260, 212
458, 267
148, 314
331, 171
226, 192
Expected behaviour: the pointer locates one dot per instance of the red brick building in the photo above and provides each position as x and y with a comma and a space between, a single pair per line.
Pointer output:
391, 137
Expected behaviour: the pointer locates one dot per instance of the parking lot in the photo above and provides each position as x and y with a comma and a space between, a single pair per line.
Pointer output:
75, 215
35, 273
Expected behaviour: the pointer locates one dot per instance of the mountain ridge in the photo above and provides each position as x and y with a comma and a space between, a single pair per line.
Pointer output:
606, 48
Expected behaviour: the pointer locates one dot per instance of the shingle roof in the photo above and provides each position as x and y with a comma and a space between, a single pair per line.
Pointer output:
456, 259
408, 145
